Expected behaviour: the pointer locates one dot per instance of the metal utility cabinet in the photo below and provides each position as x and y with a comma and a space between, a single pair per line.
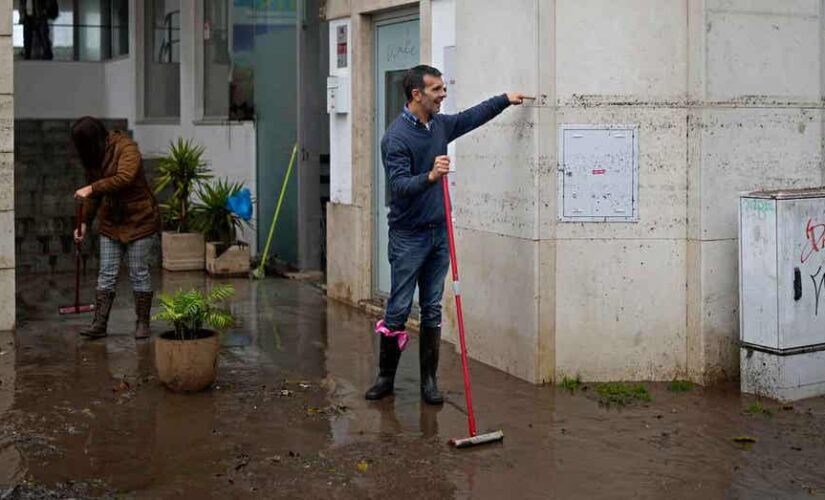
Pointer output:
782, 293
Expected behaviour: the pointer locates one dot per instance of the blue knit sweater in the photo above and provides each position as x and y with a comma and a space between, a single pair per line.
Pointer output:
408, 151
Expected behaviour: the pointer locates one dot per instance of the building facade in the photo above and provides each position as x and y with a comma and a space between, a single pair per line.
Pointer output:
241, 78
597, 228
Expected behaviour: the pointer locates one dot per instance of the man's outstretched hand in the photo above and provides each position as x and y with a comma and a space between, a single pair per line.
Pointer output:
518, 98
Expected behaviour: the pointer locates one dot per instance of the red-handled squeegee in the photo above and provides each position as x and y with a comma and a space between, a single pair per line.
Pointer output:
474, 438
77, 307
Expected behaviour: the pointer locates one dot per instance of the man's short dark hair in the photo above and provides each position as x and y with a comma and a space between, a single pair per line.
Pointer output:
414, 78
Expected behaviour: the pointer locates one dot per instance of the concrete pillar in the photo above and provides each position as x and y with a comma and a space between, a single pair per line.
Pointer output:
7, 311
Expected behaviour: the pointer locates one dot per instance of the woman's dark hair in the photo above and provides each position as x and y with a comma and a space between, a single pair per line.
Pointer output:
89, 139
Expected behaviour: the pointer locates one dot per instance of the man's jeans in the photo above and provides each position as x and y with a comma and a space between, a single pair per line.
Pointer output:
417, 257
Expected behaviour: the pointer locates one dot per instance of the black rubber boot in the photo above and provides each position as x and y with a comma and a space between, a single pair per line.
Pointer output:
103, 304
143, 306
429, 342
387, 365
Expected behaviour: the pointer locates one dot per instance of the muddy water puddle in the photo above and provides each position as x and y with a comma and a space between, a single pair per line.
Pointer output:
286, 419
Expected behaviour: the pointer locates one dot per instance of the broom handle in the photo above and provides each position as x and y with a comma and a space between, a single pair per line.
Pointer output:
79, 216
278, 207
448, 211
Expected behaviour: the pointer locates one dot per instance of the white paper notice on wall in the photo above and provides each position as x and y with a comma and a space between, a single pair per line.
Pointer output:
598, 177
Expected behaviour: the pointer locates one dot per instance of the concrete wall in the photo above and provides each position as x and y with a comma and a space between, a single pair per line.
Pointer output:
119, 88
758, 72
620, 310
68, 90
7, 284
496, 185
51, 89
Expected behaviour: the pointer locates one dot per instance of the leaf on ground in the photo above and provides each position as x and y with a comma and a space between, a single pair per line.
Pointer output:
121, 386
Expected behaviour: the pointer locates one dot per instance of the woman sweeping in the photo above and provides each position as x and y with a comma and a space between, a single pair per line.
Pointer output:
119, 195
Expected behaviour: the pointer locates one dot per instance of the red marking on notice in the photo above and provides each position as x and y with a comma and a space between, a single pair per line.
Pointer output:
599, 171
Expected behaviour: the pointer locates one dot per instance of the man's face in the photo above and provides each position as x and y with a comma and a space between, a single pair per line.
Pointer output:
434, 92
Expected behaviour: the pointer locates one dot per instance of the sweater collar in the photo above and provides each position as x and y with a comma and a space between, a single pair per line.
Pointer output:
410, 117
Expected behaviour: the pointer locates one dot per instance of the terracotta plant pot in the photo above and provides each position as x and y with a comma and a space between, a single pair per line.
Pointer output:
182, 251
187, 365
233, 261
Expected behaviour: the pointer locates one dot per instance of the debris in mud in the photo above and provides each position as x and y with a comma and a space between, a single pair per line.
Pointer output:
745, 441
274, 459
285, 393
243, 461
121, 386
328, 411
621, 394
362, 466
303, 384
30, 489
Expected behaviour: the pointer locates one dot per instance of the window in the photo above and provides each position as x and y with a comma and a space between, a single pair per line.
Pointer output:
163, 18
216, 61
119, 27
162, 59
82, 30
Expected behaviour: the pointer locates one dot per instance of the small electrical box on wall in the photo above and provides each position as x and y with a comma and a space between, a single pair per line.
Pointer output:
338, 94
598, 177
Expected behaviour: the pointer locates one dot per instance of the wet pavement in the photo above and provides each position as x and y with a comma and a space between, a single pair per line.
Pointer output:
286, 418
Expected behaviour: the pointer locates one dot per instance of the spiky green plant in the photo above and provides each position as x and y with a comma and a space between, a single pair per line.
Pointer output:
188, 311
211, 216
182, 170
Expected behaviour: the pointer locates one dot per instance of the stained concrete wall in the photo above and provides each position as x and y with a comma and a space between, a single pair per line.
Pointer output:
621, 298
726, 95
757, 123
7, 284
498, 180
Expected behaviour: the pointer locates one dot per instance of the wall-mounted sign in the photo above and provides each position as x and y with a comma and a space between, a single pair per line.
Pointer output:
341, 45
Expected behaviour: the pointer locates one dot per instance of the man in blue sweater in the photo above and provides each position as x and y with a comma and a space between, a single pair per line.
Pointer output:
414, 152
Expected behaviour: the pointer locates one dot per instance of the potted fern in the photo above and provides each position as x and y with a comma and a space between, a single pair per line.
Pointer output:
220, 221
186, 356
181, 172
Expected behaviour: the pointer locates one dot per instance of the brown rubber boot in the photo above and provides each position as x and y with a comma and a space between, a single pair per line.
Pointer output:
143, 307
103, 305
